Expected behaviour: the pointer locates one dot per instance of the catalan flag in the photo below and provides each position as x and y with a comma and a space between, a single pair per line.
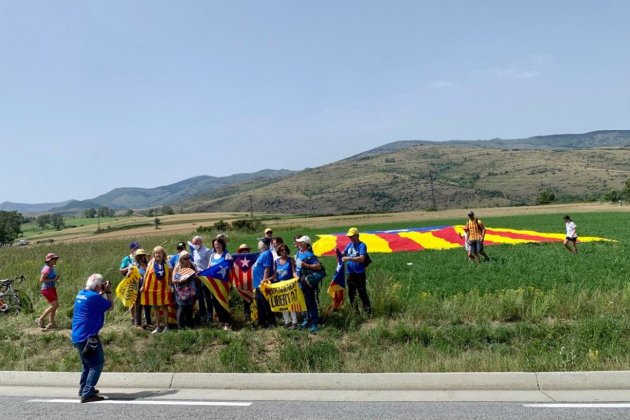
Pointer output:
217, 280
156, 289
434, 237
337, 288
242, 275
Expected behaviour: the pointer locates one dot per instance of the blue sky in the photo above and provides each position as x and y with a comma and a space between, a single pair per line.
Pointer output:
104, 94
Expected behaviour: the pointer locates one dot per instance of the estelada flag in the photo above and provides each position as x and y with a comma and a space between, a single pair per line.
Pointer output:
127, 289
242, 275
217, 280
337, 288
156, 290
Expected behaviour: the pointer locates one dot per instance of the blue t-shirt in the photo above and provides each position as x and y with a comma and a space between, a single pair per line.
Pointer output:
173, 260
264, 260
284, 271
357, 250
307, 256
216, 259
89, 315
127, 262
50, 274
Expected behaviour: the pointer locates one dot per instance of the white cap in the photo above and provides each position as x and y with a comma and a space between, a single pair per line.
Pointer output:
305, 239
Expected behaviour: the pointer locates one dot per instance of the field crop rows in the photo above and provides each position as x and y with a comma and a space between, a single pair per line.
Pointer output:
532, 308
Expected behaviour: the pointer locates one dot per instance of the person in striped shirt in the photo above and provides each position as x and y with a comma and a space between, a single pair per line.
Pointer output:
476, 236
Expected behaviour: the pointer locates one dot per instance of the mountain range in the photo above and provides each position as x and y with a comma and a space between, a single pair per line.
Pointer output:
399, 176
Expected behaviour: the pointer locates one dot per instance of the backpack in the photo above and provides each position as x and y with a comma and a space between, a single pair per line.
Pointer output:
367, 261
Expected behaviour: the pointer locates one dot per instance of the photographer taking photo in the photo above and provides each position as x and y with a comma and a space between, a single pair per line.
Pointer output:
88, 318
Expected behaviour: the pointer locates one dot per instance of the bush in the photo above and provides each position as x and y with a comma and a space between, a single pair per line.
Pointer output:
247, 225
222, 226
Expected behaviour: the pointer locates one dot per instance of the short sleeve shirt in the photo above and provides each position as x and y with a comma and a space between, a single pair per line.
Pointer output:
89, 315
264, 261
357, 250
50, 274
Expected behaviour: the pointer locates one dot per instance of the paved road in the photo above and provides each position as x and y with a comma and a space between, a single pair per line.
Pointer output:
62, 403
27, 408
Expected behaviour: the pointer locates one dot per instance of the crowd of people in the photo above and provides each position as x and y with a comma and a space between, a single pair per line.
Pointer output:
175, 281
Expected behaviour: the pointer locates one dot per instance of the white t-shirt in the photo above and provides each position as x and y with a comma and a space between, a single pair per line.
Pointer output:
571, 233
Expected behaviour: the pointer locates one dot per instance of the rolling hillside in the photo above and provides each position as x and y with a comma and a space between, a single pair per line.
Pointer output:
463, 177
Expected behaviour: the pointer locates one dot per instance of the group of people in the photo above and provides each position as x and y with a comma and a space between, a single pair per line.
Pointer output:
475, 234
176, 281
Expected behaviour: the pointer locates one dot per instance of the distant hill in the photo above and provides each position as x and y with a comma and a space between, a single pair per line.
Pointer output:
594, 139
139, 198
31, 208
464, 176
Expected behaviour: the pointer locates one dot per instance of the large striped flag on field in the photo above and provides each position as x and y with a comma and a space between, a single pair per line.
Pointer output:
337, 288
242, 275
434, 237
217, 280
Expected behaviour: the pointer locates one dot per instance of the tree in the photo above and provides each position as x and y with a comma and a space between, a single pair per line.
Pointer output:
157, 222
612, 195
56, 220
89, 213
129, 213
10, 226
106, 212
43, 221
167, 210
626, 189
546, 197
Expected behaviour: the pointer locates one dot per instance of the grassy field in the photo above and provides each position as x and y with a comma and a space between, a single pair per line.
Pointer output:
533, 308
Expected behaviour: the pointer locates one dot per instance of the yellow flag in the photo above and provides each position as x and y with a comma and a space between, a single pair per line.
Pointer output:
284, 296
127, 289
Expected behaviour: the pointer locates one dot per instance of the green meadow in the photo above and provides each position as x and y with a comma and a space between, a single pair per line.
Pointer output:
534, 307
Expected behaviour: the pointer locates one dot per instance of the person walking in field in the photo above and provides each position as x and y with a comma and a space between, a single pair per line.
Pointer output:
355, 255
156, 290
476, 236
48, 280
570, 241
88, 318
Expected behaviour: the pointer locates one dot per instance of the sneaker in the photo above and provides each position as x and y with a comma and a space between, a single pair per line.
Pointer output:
92, 398
51, 326
157, 330
166, 329
39, 323
313, 329
294, 325
96, 391
303, 325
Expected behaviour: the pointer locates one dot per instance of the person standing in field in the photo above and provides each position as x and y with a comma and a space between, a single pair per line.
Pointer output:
142, 262
284, 267
263, 272
219, 255
156, 290
355, 254
570, 241
185, 289
310, 272
88, 318
48, 280
464, 236
476, 236
175, 258
201, 259
129, 260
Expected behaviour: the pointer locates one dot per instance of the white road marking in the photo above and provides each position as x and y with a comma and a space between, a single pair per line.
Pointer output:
578, 405
149, 402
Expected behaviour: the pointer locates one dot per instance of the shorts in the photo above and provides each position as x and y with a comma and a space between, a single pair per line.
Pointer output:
50, 294
475, 246
574, 240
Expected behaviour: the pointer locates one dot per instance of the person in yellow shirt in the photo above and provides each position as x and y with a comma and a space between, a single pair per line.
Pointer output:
476, 235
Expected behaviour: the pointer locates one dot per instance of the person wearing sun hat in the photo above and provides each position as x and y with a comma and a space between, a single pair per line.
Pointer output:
355, 255
48, 280
310, 272
269, 233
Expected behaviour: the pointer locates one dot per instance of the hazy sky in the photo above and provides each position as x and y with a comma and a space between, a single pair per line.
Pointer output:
96, 95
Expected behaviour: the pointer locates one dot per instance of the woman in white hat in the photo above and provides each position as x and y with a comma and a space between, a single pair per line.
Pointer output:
310, 272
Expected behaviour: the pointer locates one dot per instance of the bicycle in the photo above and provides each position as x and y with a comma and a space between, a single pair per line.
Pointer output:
10, 303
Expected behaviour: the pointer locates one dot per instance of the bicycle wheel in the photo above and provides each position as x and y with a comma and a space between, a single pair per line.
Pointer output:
13, 303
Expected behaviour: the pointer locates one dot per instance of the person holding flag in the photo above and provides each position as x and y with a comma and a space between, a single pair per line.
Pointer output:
241, 276
355, 254
220, 256
284, 267
156, 290
310, 272
337, 288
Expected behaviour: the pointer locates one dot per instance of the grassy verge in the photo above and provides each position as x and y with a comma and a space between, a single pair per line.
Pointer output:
533, 308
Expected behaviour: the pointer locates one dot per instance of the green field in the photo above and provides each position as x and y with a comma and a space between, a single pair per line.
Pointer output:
532, 308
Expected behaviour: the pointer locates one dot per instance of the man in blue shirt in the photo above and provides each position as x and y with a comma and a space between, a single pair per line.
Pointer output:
88, 318
201, 260
355, 255
262, 270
